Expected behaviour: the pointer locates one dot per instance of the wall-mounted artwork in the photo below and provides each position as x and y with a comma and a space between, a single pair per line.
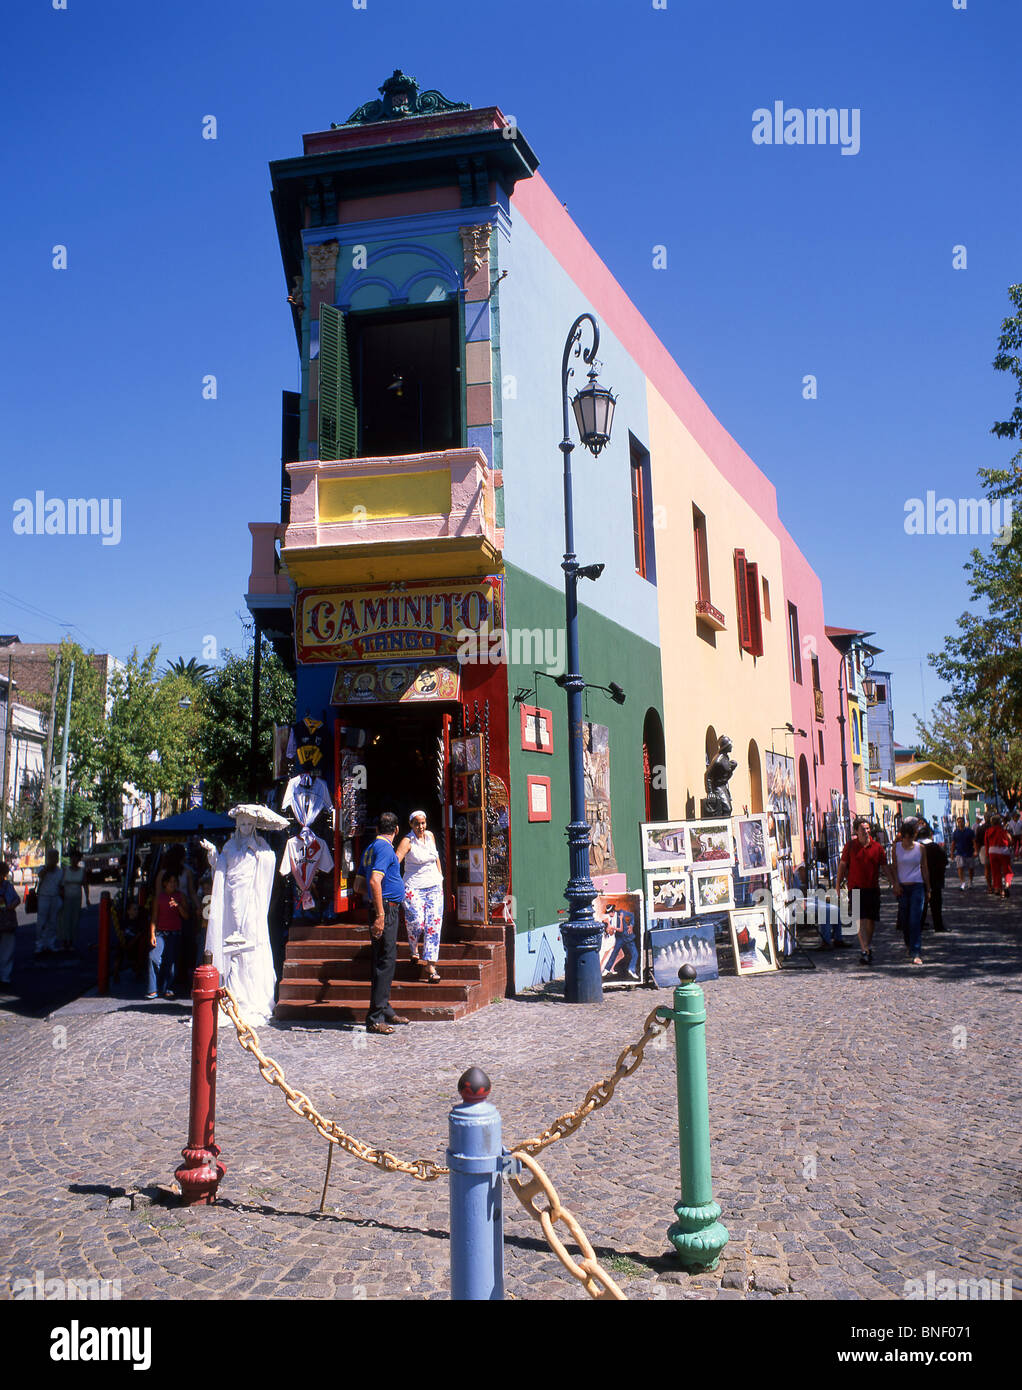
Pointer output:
752, 844
596, 772
676, 945
620, 915
668, 894
710, 844
663, 842
750, 937
712, 890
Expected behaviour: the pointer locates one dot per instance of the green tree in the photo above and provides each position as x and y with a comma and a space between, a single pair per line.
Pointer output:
193, 670
958, 737
982, 661
226, 733
150, 742
82, 800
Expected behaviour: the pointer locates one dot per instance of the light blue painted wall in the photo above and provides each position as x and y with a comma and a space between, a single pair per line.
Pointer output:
538, 304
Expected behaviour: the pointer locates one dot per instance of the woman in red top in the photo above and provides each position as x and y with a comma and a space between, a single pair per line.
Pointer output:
170, 910
998, 847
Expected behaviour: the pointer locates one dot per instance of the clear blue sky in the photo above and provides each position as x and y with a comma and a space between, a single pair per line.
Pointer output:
781, 262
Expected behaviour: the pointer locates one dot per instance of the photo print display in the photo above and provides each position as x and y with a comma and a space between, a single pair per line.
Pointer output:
752, 942
663, 842
752, 845
712, 890
668, 894
710, 844
674, 945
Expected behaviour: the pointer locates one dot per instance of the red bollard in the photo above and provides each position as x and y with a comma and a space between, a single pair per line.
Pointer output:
200, 1173
103, 946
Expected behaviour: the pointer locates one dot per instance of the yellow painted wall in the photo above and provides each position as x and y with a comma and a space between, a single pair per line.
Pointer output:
390, 495
721, 685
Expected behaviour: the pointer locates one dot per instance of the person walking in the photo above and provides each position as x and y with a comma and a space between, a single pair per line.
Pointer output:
171, 909
910, 873
963, 847
998, 848
9, 900
936, 863
1015, 830
424, 896
862, 861
49, 892
71, 908
381, 870
982, 826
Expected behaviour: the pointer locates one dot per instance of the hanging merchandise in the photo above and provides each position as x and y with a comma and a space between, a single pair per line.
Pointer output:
307, 744
305, 856
308, 797
237, 931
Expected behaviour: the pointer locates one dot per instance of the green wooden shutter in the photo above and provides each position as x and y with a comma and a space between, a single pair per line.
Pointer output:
338, 418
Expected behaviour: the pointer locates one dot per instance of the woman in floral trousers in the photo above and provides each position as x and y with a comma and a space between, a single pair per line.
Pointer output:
424, 896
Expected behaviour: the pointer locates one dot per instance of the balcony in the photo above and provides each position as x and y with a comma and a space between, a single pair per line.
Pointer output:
818, 705
371, 520
712, 617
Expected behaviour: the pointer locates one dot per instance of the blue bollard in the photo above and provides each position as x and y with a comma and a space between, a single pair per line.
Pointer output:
476, 1159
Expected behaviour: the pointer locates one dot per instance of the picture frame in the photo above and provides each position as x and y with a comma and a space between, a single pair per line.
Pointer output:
712, 890
710, 844
537, 729
623, 945
782, 832
668, 893
476, 866
752, 941
539, 796
674, 944
752, 844
663, 842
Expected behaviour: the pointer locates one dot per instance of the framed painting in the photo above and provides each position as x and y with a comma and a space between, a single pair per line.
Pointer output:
712, 890
710, 844
668, 894
752, 942
663, 842
752, 845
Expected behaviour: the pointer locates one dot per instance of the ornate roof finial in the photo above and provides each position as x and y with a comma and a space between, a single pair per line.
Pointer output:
402, 98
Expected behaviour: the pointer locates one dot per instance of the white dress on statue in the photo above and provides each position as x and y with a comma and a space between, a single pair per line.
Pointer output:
242, 883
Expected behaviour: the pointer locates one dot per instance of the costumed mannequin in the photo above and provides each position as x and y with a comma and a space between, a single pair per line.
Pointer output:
307, 744
237, 933
307, 796
305, 856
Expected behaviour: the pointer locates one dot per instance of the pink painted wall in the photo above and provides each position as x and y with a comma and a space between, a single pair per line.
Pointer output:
538, 204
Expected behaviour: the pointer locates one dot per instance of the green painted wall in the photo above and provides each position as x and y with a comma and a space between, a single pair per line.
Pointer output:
539, 851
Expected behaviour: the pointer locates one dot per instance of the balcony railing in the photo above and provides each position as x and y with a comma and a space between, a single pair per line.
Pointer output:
713, 617
439, 507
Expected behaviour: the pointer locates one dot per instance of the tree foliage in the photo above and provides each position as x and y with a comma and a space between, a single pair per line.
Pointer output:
226, 731
982, 660
82, 805
967, 737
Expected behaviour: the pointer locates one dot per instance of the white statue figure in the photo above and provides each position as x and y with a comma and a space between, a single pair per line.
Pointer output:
237, 933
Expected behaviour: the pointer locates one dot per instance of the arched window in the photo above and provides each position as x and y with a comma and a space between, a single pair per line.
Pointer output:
755, 778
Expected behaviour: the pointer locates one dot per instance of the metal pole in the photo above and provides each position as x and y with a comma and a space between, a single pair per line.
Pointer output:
63, 762
475, 1156
103, 945
200, 1173
7, 753
581, 934
257, 672
697, 1234
48, 770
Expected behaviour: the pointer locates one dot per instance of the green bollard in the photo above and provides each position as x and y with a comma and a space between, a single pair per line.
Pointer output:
697, 1235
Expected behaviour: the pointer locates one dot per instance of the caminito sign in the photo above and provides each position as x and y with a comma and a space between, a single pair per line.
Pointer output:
339, 625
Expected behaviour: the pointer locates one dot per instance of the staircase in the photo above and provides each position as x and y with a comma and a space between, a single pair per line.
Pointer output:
327, 974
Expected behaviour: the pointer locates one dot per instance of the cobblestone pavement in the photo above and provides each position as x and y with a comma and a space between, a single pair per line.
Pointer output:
865, 1131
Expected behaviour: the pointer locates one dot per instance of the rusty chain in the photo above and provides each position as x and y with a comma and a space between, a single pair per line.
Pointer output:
588, 1271
597, 1096
421, 1168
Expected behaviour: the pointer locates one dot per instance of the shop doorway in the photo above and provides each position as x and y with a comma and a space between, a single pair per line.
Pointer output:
402, 756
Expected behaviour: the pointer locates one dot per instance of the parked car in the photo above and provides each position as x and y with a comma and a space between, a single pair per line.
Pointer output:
105, 861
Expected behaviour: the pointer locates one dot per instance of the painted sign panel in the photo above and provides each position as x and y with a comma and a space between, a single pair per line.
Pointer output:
410, 619
390, 683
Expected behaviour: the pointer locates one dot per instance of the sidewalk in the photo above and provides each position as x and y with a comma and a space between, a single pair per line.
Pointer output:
864, 1123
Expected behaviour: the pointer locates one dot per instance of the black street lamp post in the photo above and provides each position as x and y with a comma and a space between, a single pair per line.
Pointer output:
593, 408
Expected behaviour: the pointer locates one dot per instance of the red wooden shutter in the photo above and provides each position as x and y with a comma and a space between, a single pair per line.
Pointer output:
742, 594
755, 620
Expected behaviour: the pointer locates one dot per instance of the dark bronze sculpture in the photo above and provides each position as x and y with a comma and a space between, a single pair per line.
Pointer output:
718, 775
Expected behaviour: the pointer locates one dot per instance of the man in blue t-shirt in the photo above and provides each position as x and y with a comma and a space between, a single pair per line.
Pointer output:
963, 847
381, 870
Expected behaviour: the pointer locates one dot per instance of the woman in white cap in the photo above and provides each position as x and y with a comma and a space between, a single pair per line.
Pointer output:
424, 896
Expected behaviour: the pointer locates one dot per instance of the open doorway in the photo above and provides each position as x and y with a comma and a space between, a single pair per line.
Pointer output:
407, 384
402, 762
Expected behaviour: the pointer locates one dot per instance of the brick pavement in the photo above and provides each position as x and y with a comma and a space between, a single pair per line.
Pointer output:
860, 1138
